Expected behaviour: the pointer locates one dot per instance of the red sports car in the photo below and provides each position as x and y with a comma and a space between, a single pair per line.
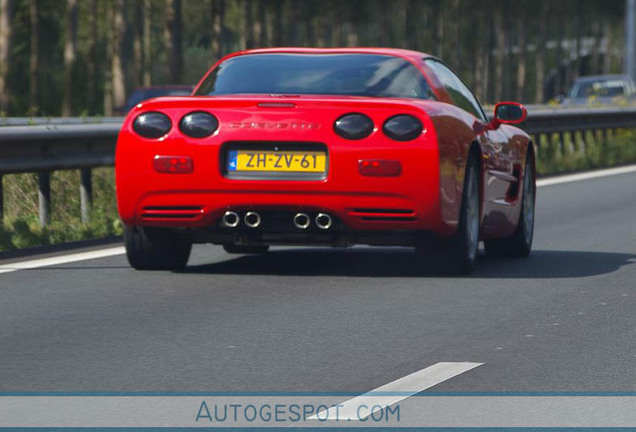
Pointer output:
330, 147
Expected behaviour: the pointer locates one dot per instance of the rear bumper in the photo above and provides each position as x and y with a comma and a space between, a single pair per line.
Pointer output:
355, 210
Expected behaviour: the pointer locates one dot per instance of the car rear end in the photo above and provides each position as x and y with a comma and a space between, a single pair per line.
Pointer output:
278, 170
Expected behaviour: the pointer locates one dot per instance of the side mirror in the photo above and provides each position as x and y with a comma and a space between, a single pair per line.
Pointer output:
509, 113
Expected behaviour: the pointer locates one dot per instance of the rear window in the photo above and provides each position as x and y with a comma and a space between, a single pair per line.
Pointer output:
317, 74
601, 88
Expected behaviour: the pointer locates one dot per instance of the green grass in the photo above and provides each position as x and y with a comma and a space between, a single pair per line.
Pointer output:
21, 228
580, 151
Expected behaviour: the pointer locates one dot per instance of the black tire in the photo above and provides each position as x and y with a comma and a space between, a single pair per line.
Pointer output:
519, 244
464, 245
156, 249
236, 249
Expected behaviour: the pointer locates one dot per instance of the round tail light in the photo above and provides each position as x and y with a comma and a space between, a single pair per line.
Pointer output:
354, 126
198, 124
152, 125
403, 127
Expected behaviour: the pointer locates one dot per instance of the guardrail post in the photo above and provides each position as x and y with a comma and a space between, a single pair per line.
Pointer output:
86, 194
44, 197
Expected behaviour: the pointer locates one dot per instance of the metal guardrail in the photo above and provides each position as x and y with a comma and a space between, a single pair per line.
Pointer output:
72, 143
46, 148
559, 120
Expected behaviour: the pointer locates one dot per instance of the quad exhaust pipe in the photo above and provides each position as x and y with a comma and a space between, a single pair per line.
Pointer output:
252, 219
302, 221
323, 221
231, 219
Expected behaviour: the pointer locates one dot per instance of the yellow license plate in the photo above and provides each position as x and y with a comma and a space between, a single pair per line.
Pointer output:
277, 161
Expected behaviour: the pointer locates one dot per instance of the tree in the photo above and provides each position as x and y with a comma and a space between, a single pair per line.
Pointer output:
110, 48
69, 55
147, 44
539, 89
117, 60
33, 57
521, 62
91, 56
218, 15
500, 35
138, 54
385, 22
173, 41
5, 40
260, 25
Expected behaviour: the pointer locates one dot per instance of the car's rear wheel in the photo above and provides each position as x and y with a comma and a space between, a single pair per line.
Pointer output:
156, 249
239, 249
519, 244
465, 243
457, 254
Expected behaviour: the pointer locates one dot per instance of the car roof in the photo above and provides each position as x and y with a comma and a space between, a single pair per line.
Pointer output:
396, 52
602, 77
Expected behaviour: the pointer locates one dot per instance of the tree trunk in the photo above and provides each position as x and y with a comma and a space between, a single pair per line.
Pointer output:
33, 58
321, 26
218, 14
91, 57
69, 56
138, 55
293, 25
539, 90
481, 51
147, 43
594, 67
385, 23
5, 40
352, 34
412, 24
500, 36
336, 14
607, 59
117, 63
248, 24
262, 38
439, 31
521, 64
108, 70
558, 81
453, 27
278, 23
172, 39
577, 49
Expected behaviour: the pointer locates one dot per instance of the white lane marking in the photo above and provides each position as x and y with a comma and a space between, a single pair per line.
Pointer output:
402, 388
63, 259
585, 176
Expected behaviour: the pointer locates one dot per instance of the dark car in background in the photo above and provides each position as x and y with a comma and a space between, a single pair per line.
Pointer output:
144, 93
605, 89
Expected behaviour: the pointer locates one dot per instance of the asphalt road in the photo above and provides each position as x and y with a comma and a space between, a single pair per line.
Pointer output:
341, 320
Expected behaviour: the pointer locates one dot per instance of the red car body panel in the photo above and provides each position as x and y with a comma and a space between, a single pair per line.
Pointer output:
425, 197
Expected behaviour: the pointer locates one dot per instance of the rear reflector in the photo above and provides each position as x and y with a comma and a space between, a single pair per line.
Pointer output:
380, 168
173, 164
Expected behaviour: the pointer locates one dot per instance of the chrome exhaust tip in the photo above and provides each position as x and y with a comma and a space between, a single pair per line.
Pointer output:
252, 219
323, 221
302, 221
231, 219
